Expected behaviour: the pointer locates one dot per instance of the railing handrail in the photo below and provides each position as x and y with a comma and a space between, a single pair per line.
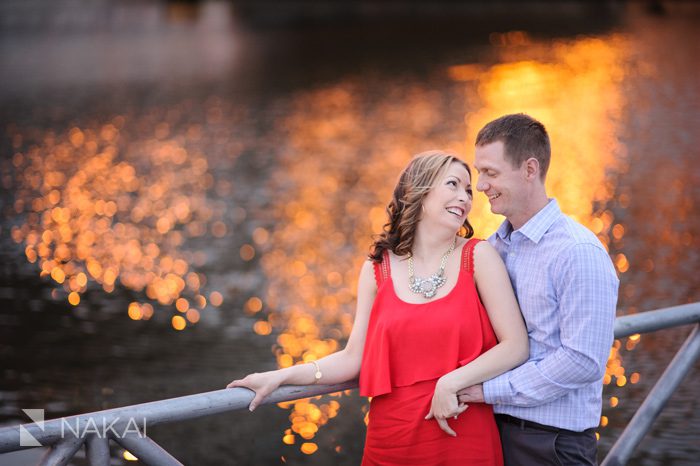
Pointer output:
218, 401
162, 411
650, 321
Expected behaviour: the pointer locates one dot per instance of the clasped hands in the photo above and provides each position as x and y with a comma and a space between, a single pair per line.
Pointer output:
449, 403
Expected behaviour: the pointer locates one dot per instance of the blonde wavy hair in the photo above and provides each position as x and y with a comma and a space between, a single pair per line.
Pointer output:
404, 211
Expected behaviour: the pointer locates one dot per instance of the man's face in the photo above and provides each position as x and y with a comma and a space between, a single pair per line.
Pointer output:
504, 185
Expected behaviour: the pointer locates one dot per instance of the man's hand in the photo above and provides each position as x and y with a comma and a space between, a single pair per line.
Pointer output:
473, 394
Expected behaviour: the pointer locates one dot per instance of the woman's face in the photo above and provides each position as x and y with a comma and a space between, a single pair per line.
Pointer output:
450, 200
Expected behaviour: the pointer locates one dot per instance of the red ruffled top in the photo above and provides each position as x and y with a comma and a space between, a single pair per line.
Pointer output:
408, 343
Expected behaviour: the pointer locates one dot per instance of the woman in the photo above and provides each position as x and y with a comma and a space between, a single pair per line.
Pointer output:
421, 332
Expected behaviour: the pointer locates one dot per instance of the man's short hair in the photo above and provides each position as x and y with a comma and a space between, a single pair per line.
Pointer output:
522, 137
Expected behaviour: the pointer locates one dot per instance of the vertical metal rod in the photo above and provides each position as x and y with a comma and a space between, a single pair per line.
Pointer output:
97, 450
640, 424
147, 451
60, 453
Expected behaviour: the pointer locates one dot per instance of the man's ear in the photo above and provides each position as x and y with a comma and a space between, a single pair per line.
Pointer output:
532, 168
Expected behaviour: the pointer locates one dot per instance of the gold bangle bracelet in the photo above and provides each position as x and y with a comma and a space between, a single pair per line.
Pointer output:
317, 374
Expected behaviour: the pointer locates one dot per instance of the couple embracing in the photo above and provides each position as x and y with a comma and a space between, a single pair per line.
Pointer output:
476, 352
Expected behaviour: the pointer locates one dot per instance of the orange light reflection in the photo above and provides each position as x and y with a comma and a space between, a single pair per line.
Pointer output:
103, 210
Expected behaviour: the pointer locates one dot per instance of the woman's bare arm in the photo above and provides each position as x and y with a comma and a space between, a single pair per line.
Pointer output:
338, 367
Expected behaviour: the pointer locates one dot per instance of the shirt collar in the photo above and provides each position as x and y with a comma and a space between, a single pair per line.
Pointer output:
537, 226
504, 231
534, 228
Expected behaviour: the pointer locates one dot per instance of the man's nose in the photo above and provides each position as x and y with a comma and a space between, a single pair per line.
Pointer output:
482, 185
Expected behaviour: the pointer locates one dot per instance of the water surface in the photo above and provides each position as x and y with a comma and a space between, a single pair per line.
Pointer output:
188, 196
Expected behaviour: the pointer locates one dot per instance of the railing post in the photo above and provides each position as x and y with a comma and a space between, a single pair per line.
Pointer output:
146, 450
60, 453
97, 450
654, 402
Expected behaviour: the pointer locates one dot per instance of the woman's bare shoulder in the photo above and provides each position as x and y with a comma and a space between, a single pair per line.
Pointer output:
485, 253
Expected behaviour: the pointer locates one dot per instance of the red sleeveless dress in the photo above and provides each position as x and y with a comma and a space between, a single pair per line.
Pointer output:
407, 349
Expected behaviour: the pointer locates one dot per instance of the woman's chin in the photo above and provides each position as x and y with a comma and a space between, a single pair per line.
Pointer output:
455, 224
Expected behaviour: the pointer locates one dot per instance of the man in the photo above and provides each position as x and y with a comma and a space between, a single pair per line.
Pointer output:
547, 408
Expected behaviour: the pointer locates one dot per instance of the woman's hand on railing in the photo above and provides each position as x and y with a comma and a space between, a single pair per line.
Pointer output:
261, 383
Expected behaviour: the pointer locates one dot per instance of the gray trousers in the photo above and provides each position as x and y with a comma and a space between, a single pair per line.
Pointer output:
528, 445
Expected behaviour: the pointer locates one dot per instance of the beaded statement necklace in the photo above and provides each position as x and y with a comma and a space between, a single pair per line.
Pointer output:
428, 286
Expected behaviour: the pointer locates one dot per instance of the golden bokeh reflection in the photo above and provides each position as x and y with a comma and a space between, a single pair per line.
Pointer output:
574, 89
100, 210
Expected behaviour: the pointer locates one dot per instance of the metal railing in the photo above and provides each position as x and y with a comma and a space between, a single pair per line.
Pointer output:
677, 369
128, 425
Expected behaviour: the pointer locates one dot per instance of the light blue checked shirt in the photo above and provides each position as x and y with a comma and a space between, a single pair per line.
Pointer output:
567, 290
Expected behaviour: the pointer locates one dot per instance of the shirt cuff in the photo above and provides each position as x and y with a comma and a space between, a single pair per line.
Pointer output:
497, 390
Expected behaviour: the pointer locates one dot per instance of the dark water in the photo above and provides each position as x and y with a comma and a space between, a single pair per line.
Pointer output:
258, 155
